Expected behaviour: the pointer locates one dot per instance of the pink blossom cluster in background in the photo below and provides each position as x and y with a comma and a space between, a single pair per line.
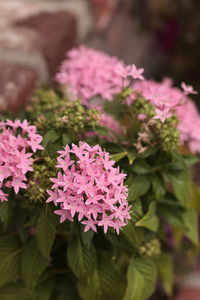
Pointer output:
109, 122
89, 73
88, 185
163, 96
189, 125
18, 141
168, 99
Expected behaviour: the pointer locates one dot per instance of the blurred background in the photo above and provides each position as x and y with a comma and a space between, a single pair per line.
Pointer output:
163, 36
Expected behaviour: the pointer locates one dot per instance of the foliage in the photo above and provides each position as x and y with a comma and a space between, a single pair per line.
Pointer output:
41, 258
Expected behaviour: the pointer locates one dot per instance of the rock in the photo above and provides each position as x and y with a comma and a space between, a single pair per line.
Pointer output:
56, 34
103, 12
16, 85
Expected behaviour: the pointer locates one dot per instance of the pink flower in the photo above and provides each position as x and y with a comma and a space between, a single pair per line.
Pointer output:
168, 99
136, 73
122, 70
18, 141
162, 114
188, 89
89, 224
3, 196
88, 73
142, 117
90, 187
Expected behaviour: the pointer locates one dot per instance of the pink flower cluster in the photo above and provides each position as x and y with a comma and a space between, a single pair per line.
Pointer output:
168, 99
89, 73
189, 125
163, 96
18, 141
90, 186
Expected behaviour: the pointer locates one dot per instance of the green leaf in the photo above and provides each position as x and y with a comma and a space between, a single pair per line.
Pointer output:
150, 220
32, 221
118, 241
21, 229
43, 291
82, 260
190, 219
136, 211
149, 152
102, 131
141, 167
15, 291
141, 279
118, 156
46, 230
86, 237
105, 283
50, 137
132, 235
112, 147
5, 213
10, 258
190, 160
131, 156
175, 218
139, 187
181, 182
158, 186
18, 291
174, 166
33, 264
165, 271
66, 139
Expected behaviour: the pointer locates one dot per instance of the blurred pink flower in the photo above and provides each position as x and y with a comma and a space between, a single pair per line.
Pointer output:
162, 114
188, 89
168, 99
88, 73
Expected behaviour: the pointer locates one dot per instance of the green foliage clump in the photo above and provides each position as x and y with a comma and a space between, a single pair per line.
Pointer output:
50, 110
143, 106
168, 134
43, 259
39, 181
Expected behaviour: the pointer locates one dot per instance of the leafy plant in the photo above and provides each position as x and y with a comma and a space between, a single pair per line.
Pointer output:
121, 244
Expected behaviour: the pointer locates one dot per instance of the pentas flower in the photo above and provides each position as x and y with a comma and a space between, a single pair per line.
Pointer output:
18, 141
162, 114
88, 73
168, 99
189, 125
129, 71
136, 73
89, 186
161, 94
188, 89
